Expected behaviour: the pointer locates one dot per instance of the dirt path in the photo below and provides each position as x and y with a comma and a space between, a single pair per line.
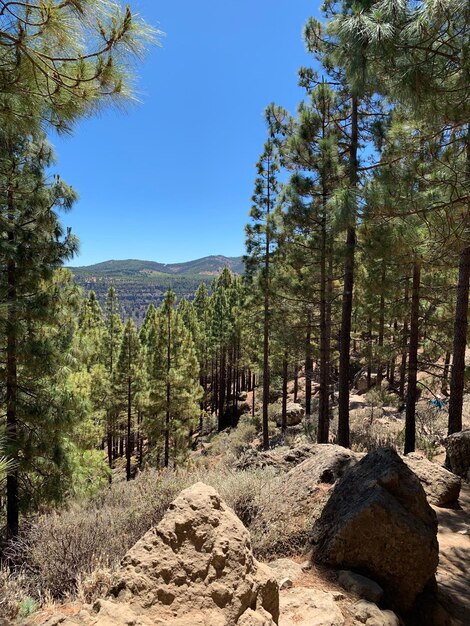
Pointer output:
453, 574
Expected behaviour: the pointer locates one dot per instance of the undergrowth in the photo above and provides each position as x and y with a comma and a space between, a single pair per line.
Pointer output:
72, 553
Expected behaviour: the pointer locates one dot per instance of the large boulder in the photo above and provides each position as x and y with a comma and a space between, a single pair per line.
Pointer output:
198, 562
458, 453
294, 414
298, 498
442, 487
326, 464
378, 522
361, 382
281, 458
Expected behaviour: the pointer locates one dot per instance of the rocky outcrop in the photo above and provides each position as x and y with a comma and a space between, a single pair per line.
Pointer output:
361, 586
294, 414
458, 453
368, 613
281, 458
442, 487
326, 464
310, 607
286, 569
198, 560
194, 569
378, 522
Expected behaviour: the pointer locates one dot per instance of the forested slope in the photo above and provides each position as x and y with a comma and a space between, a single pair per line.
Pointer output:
141, 283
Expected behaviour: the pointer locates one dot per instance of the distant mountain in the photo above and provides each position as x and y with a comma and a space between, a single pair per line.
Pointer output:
207, 266
139, 283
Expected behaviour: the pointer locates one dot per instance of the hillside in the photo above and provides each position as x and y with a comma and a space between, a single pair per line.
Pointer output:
139, 283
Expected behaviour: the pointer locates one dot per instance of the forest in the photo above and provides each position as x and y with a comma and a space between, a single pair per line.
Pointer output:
356, 270
141, 283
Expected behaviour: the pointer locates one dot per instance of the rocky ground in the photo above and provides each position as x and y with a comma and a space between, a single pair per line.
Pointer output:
197, 568
374, 539
453, 572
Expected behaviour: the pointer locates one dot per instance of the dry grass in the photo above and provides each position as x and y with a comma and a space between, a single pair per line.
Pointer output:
71, 554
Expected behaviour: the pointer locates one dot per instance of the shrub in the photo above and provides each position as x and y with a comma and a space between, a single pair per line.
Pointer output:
13, 593
27, 607
231, 444
60, 549
74, 552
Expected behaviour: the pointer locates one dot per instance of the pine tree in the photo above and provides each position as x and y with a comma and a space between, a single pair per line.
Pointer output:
90, 333
32, 245
312, 151
417, 54
202, 308
61, 60
333, 51
174, 385
128, 382
260, 243
111, 347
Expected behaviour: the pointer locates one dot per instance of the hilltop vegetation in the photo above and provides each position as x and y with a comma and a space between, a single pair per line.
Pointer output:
141, 283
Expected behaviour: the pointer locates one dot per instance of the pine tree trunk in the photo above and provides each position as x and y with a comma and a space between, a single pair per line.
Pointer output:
140, 444
348, 288
266, 373
253, 387
13, 514
285, 376
129, 423
411, 396
216, 385
166, 459
109, 437
381, 331
222, 389
394, 356
323, 409
345, 341
308, 364
457, 380
229, 383
296, 381
445, 373
404, 356
329, 301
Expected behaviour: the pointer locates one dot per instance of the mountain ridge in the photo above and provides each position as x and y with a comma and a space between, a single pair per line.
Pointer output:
140, 283
208, 265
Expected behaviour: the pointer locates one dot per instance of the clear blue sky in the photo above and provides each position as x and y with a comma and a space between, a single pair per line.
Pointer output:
171, 179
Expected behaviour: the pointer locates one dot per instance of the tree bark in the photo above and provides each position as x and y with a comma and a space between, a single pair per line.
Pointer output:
222, 389
129, 423
445, 373
411, 396
381, 331
13, 514
308, 364
266, 316
285, 376
324, 404
166, 458
348, 288
457, 380
404, 356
